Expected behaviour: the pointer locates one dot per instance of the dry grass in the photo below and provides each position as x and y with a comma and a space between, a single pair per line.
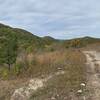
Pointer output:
44, 64
7, 87
72, 62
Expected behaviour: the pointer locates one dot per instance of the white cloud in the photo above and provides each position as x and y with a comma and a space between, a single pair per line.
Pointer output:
60, 18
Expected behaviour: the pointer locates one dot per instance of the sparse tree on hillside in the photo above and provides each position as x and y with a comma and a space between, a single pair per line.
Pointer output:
8, 50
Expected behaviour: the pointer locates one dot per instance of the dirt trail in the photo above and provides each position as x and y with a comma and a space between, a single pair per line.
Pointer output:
93, 76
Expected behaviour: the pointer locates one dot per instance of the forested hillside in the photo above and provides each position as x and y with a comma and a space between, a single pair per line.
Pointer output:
18, 44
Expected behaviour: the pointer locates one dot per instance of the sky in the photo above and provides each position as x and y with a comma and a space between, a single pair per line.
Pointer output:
62, 19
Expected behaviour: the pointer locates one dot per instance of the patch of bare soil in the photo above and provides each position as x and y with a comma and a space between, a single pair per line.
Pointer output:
93, 75
33, 85
7, 87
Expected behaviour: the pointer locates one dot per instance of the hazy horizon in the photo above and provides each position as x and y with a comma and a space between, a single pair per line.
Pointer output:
61, 19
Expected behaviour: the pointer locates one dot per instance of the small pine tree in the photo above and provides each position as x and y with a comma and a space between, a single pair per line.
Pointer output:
8, 50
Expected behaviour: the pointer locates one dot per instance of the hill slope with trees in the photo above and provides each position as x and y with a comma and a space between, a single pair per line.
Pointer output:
16, 42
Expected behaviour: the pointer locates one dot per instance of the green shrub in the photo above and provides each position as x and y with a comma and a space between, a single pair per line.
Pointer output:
5, 73
18, 68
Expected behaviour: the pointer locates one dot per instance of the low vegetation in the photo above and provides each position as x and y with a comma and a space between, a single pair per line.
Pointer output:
42, 65
60, 87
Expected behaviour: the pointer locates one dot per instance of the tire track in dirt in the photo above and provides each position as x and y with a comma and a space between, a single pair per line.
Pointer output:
93, 75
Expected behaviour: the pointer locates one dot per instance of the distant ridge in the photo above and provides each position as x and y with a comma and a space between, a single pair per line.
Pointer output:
28, 40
